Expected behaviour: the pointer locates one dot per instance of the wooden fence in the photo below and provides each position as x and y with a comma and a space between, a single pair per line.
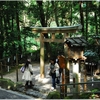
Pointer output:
13, 61
77, 91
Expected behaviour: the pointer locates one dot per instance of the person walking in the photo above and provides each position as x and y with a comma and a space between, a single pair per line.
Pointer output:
54, 72
27, 75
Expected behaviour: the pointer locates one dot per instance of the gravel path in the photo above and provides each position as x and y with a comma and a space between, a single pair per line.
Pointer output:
36, 76
40, 83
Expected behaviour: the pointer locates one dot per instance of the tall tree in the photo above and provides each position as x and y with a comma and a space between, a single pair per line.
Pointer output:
18, 27
55, 11
81, 16
86, 20
1, 29
44, 24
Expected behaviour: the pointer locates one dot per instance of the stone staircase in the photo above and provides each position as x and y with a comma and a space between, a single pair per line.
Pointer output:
40, 90
36, 91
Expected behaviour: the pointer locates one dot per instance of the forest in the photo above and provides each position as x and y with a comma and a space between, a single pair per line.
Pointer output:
17, 18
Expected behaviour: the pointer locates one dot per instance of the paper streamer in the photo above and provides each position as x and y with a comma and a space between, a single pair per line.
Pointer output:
21, 55
14, 57
31, 54
8, 68
8, 59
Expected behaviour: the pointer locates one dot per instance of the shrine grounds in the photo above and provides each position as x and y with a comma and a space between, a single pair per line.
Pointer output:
43, 85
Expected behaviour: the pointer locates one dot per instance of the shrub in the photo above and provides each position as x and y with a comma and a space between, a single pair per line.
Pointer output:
8, 84
53, 95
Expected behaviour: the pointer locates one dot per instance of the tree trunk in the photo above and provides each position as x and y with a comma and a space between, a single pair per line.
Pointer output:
86, 20
96, 25
44, 24
12, 24
71, 12
81, 17
54, 4
1, 38
18, 28
42, 15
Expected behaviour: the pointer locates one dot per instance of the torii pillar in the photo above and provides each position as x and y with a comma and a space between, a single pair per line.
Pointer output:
42, 66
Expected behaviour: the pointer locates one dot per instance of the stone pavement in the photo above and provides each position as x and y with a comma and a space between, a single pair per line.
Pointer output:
8, 94
42, 86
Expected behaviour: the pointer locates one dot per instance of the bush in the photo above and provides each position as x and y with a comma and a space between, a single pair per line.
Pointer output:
69, 97
8, 84
84, 96
53, 95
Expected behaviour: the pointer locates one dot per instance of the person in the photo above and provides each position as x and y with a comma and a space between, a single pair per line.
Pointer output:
61, 62
58, 72
54, 69
27, 75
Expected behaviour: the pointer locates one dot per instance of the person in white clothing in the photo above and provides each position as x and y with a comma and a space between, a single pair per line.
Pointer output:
27, 75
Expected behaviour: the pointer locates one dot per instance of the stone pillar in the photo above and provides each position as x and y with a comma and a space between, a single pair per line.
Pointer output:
76, 76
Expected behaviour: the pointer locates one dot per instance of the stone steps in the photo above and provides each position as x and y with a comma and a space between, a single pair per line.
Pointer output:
36, 91
36, 94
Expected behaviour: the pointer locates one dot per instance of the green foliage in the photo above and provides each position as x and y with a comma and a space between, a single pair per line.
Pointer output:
94, 90
68, 97
84, 96
93, 93
18, 85
91, 56
7, 84
10, 85
53, 95
89, 95
29, 14
56, 48
28, 40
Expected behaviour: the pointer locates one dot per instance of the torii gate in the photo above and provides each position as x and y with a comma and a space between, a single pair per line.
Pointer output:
52, 30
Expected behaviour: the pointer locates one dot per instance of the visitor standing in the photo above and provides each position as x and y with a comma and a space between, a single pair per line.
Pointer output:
27, 75
54, 72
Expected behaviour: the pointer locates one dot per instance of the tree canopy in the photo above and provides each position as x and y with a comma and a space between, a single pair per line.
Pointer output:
16, 18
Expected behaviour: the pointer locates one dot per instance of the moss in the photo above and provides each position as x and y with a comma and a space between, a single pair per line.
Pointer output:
84, 96
53, 95
18, 85
8, 84
69, 97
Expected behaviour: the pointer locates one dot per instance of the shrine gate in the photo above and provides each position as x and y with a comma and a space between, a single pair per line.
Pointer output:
65, 30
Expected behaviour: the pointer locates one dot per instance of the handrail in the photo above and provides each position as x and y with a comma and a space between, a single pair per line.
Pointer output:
65, 93
78, 83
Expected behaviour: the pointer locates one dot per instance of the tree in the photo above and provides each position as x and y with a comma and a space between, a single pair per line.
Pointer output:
12, 14
81, 16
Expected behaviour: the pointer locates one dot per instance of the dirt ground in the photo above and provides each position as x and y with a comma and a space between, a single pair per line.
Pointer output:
36, 75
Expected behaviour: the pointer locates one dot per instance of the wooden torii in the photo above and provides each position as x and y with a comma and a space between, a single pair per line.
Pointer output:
52, 31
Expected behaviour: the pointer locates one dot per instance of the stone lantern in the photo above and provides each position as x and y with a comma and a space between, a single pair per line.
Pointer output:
75, 49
